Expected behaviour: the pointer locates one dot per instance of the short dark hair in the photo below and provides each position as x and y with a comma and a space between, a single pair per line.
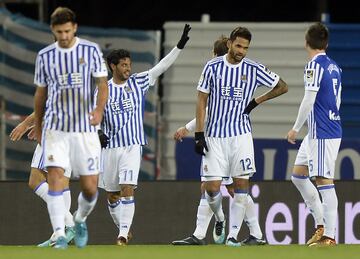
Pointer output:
317, 36
115, 55
62, 15
241, 32
220, 46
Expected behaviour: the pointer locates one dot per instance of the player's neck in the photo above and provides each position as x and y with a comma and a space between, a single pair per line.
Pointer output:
118, 80
314, 52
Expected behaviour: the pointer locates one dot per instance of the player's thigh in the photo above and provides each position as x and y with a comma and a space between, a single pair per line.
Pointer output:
215, 162
322, 157
85, 153
129, 165
109, 173
301, 162
38, 158
56, 149
241, 150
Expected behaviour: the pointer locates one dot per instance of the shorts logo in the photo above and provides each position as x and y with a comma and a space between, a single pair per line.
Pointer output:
205, 168
51, 158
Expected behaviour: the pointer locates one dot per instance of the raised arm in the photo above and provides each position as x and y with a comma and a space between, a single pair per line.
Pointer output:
170, 58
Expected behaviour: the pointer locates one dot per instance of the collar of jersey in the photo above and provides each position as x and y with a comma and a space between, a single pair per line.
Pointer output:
77, 40
229, 64
117, 85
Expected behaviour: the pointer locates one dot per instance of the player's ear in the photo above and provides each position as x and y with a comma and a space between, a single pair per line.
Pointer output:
228, 44
112, 66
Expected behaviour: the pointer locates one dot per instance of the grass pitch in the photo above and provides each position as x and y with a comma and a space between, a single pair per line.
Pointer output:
182, 252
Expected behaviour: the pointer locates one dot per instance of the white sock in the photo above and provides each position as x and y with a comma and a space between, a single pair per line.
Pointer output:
56, 208
203, 217
251, 219
69, 221
126, 215
330, 206
238, 208
311, 197
114, 209
42, 190
215, 204
85, 207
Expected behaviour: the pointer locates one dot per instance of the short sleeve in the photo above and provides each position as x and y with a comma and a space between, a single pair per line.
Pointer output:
266, 77
40, 75
99, 67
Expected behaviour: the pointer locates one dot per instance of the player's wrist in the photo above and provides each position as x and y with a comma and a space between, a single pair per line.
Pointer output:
199, 135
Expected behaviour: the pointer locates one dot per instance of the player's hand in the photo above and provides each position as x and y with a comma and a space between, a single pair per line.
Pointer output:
200, 143
181, 133
104, 140
252, 104
31, 134
96, 116
184, 37
18, 131
291, 136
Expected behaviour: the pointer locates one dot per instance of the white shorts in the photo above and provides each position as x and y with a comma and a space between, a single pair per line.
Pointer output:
38, 161
319, 155
229, 157
119, 166
79, 151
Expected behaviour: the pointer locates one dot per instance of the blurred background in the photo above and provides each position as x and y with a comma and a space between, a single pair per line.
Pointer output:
150, 29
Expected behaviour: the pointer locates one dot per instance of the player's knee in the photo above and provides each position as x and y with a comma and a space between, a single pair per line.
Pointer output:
127, 190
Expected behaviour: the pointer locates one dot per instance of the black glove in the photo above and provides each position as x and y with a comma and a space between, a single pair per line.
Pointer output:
252, 104
184, 37
200, 143
104, 140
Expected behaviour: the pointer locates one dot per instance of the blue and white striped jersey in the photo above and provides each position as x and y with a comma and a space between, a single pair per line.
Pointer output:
323, 75
231, 88
68, 75
123, 120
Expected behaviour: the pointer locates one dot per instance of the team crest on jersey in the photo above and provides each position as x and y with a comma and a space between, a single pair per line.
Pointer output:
81, 61
309, 75
243, 78
127, 89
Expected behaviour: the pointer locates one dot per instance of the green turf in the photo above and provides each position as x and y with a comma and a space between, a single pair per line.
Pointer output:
182, 252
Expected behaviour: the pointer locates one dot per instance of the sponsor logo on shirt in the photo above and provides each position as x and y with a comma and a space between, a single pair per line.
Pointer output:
70, 80
333, 117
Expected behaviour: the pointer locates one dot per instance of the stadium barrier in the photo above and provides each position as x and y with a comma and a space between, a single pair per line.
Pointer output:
166, 211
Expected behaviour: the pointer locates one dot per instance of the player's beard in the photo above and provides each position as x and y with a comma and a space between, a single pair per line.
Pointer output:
236, 57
